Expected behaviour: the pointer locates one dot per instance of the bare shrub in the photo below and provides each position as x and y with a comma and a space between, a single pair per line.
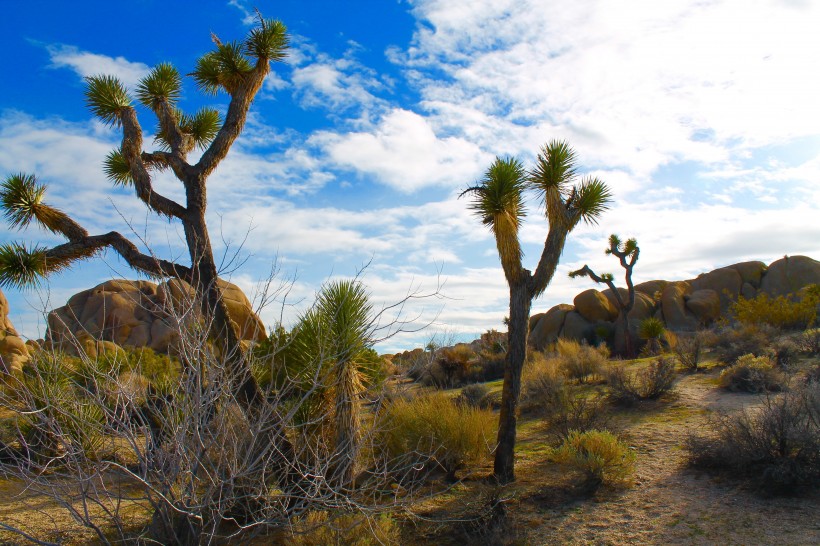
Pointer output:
776, 447
688, 349
729, 343
649, 383
753, 374
580, 361
433, 427
599, 455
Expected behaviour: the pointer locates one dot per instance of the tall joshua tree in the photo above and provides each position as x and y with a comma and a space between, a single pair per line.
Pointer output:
498, 200
627, 253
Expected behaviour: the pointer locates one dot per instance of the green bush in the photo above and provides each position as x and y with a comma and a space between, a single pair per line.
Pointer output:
649, 383
651, 330
779, 312
598, 454
580, 361
776, 447
753, 374
433, 427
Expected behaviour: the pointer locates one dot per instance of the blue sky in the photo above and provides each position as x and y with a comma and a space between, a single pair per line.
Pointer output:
703, 117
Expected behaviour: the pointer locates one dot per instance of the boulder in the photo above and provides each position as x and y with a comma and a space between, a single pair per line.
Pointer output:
576, 327
674, 307
726, 282
140, 314
751, 272
705, 305
548, 328
644, 303
789, 274
650, 288
748, 291
13, 350
595, 306
534, 320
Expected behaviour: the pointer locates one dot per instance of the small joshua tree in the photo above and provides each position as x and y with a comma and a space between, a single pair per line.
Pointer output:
627, 253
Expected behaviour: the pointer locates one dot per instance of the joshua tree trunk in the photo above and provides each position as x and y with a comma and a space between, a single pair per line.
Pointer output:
518, 332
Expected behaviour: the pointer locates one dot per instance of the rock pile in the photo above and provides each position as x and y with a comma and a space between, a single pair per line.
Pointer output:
681, 305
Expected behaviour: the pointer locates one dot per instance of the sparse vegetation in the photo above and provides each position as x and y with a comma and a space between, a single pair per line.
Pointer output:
688, 349
780, 312
599, 455
729, 343
753, 374
628, 387
580, 361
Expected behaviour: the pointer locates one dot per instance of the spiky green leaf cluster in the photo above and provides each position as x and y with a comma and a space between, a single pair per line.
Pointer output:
268, 41
225, 68
590, 200
202, 126
20, 194
607, 277
345, 308
162, 84
555, 169
21, 267
116, 168
107, 97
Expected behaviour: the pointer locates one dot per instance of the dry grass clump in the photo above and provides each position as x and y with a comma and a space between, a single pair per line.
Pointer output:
326, 528
689, 350
777, 446
434, 427
649, 383
598, 454
580, 361
753, 374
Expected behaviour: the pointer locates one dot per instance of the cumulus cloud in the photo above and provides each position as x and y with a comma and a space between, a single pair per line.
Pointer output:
86, 63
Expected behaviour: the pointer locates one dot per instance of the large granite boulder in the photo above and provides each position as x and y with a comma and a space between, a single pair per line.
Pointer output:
650, 288
789, 274
644, 303
705, 304
594, 306
726, 282
751, 272
140, 314
675, 314
576, 327
547, 330
13, 350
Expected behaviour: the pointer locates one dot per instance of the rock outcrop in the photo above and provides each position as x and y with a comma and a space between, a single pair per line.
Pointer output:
13, 350
682, 305
140, 314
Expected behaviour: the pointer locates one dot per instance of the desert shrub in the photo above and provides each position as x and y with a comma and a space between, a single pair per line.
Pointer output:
784, 353
776, 446
489, 366
474, 396
649, 383
651, 330
688, 349
779, 312
808, 342
580, 361
342, 529
732, 342
753, 374
433, 427
598, 454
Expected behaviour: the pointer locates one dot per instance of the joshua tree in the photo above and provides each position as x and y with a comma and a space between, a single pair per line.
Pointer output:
627, 253
498, 200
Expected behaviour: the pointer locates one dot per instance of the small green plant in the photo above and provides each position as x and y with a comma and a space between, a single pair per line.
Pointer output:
627, 388
599, 455
580, 361
651, 330
780, 312
753, 374
433, 427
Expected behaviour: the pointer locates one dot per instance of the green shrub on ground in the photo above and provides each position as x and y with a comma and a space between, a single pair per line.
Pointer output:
753, 374
776, 447
434, 427
729, 343
598, 454
580, 361
649, 383
779, 312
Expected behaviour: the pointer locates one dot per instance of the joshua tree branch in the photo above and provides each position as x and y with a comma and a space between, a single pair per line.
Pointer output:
132, 152
553, 247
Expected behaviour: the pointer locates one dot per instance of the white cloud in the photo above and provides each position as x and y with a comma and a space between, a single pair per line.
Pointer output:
404, 152
85, 63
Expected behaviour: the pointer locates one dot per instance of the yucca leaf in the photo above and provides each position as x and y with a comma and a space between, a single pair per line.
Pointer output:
20, 194
117, 169
225, 68
268, 41
106, 97
163, 83
202, 126
21, 267
591, 199
554, 169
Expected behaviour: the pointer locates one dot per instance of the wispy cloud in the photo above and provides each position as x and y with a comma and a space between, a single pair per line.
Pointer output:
86, 63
